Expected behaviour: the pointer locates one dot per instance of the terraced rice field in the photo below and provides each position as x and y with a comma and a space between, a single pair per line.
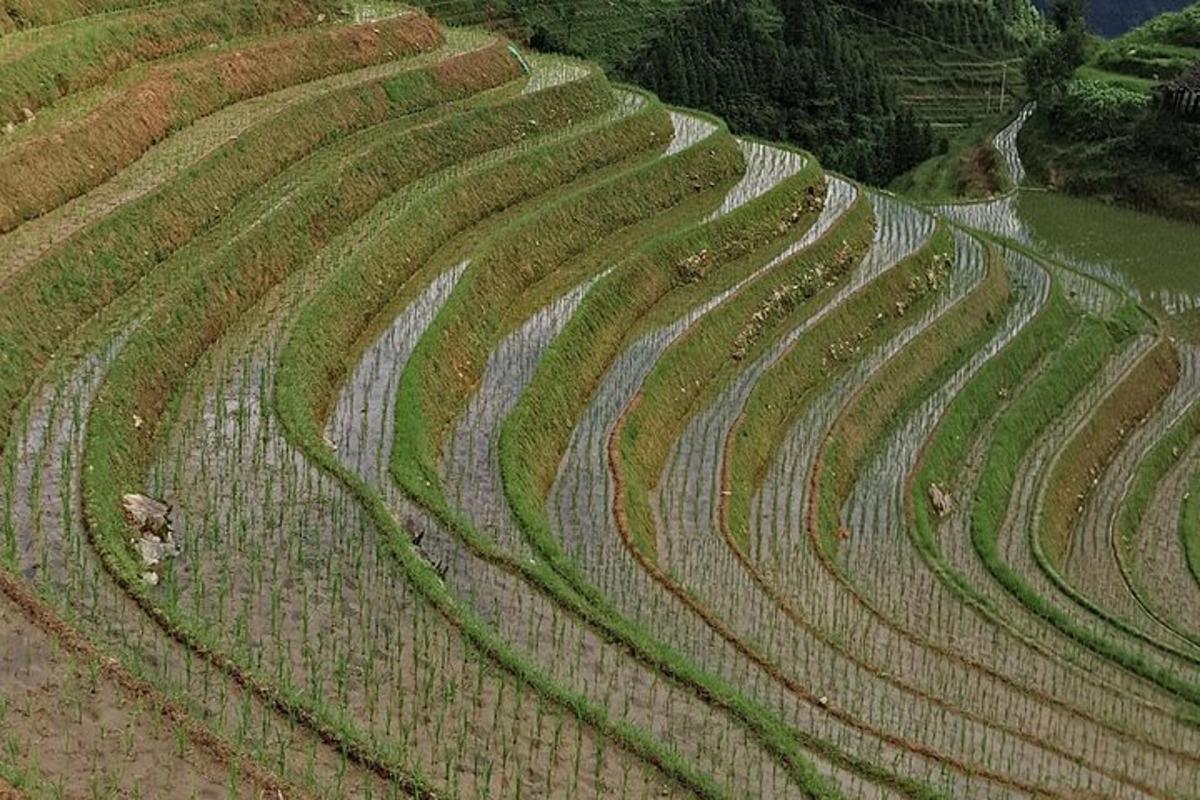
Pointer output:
386, 415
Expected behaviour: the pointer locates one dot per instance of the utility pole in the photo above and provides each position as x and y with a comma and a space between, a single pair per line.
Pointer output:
1003, 86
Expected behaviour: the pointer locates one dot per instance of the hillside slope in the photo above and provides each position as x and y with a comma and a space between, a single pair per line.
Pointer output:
871, 87
405, 415
1101, 129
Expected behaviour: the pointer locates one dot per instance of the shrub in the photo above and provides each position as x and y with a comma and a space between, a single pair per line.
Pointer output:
1098, 110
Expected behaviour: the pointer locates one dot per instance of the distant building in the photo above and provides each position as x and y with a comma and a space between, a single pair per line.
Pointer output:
1182, 95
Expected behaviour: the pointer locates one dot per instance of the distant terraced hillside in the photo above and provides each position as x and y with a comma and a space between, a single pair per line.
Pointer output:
386, 412
953, 62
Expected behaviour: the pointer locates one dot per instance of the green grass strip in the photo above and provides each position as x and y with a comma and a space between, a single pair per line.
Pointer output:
898, 389
98, 49
1191, 527
61, 291
213, 287
1047, 398
878, 311
1140, 392
536, 434
59, 162
1162, 458
315, 363
26, 14
719, 346
979, 401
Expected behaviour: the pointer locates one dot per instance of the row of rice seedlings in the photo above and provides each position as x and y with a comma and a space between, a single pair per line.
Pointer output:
105, 742
345, 436
511, 386
42, 337
618, 574
794, 497
999, 217
551, 71
1077, 471
396, 672
705, 551
353, 439
470, 462
904, 591
1150, 541
1093, 563
89, 53
189, 665
64, 289
518, 354
365, 281
994, 217
814, 594
592, 647
250, 530
472, 459
51, 550
545, 634
49, 167
954, 460
345, 192
1003, 516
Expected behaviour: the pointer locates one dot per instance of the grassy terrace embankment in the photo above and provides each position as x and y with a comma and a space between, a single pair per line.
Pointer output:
228, 271
1150, 547
64, 158
40, 69
685, 167
24, 14
779, 397
65, 288
1050, 395
711, 352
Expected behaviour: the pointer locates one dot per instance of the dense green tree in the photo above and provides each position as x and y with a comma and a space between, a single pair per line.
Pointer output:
1051, 65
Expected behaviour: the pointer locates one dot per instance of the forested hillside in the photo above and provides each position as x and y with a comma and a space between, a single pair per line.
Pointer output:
872, 87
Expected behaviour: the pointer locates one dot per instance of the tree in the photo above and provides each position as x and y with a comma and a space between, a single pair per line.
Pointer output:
1052, 64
